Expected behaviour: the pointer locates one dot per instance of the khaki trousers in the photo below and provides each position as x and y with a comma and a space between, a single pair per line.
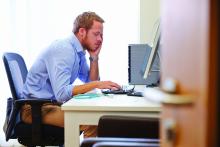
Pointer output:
53, 115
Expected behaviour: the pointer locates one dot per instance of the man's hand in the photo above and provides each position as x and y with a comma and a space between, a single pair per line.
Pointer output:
108, 85
79, 89
95, 52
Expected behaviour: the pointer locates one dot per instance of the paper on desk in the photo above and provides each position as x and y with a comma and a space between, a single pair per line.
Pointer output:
96, 90
153, 94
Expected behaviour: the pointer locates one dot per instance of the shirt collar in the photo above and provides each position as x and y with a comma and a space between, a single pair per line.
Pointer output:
76, 44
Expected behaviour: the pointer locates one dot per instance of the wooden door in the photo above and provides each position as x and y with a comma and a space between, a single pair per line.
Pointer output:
189, 55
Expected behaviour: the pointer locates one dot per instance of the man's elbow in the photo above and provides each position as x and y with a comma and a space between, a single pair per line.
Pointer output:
62, 96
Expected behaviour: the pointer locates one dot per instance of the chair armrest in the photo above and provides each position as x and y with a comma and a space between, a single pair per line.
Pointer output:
33, 101
36, 104
89, 142
12, 116
129, 127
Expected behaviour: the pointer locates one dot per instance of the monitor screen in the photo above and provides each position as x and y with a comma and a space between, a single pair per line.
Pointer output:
151, 60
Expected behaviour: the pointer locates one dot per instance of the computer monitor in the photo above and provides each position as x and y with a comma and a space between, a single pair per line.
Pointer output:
151, 65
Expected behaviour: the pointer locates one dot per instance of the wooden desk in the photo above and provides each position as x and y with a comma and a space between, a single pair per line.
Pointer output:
88, 111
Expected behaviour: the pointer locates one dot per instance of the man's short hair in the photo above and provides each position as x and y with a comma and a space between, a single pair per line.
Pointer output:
85, 20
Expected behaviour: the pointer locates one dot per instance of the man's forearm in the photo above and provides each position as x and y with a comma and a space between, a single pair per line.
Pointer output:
94, 70
80, 89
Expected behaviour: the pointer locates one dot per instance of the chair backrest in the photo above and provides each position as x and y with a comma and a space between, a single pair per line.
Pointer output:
16, 72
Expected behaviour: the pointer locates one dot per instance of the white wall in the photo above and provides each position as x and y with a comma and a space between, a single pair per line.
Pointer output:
149, 18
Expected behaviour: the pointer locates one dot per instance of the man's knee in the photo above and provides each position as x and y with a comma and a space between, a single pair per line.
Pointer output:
26, 114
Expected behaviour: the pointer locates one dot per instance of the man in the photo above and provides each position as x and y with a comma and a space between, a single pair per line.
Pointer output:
62, 62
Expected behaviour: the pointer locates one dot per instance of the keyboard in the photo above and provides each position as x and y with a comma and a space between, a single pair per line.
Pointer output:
124, 90
136, 93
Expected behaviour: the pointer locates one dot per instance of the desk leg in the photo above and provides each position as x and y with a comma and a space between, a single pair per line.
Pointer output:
71, 127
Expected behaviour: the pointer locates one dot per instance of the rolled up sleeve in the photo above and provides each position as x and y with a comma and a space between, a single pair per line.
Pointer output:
60, 66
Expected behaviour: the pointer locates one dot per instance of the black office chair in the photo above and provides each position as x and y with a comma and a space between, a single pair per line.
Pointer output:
124, 144
128, 127
119, 142
125, 131
35, 134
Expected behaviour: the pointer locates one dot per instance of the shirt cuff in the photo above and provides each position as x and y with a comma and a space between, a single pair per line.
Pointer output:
70, 90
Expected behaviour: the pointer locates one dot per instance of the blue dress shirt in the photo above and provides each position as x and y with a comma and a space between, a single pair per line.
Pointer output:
53, 73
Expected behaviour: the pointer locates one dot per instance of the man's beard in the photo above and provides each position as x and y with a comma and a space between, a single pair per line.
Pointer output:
85, 44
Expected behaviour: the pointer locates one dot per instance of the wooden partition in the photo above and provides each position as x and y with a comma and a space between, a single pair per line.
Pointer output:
189, 56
